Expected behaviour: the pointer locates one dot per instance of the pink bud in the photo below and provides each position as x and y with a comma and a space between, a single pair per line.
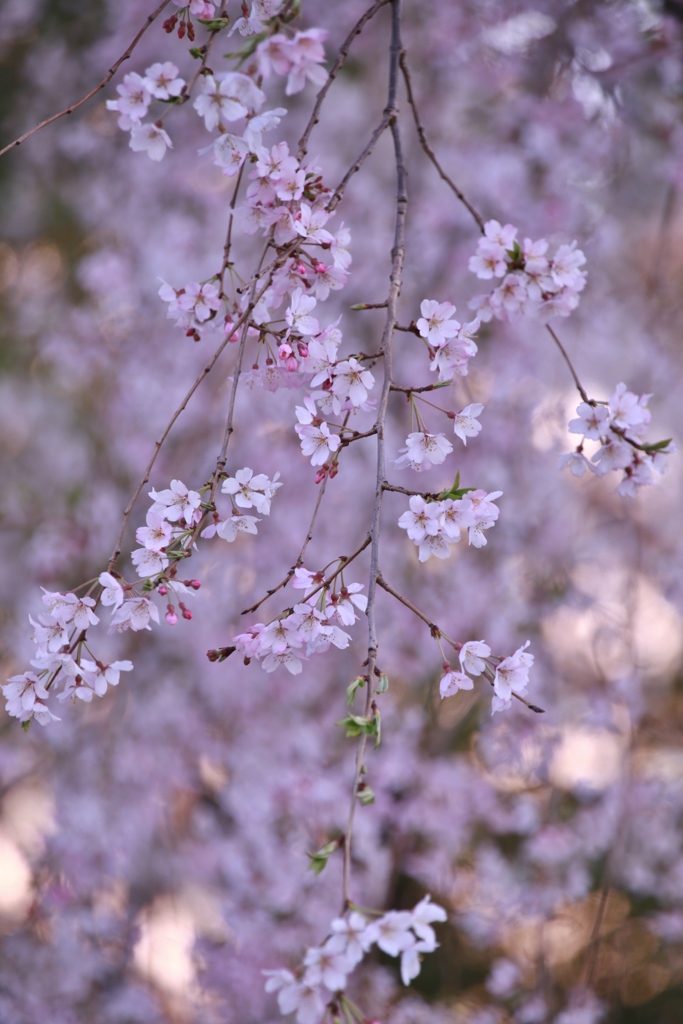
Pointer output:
292, 364
171, 616
163, 590
301, 269
303, 349
445, 665
321, 474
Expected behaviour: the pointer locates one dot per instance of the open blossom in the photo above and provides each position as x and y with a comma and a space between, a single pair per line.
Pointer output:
66, 608
177, 502
134, 99
435, 324
148, 562
249, 490
297, 316
352, 381
227, 529
157, 534
317, 441
592, 421
135, 613
451, 682
325, 966
424, 451
466, 423
348, 937
150, 139
105, 675
472, 655
227, 97
161, 80
200, 300
113, 593
422, 520
512, 674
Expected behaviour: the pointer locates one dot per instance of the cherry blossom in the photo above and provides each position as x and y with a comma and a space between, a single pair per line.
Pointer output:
435, 324
512, 674
150, 139
252, 491
451, 682
473, 655
466, 422
177, 502
424, 451
162, 82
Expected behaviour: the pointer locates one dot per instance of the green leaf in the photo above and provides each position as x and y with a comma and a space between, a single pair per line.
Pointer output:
26, 725
383, 684
657, 446
214, 24
357, 684
319, 859
248, 48
366, 795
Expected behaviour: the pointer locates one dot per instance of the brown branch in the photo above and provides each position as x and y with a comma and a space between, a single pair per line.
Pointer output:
107, 78
300, 560
579, 385
389, 119
207, 369
334, 71
428, 149
411, 494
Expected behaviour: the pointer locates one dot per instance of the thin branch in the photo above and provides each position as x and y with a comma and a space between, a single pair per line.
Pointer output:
107, 78
428, 149
411, 494
334, 71
397, 258
434, 629
300, 560
356, 166
579, 385
207, 369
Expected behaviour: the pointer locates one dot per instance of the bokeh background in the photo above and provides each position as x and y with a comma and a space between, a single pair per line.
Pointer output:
152, 845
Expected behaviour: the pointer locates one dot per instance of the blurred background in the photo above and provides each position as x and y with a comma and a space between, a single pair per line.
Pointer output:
152, 844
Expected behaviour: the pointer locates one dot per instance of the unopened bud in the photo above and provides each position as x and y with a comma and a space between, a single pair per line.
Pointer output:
171, 616
163, 590
292, 364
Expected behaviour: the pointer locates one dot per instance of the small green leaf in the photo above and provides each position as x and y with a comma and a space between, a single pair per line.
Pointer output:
214, 24
355, 725
657, 446
196, 51
365, 795
319, 859
248, 48
357, 684
383, 684
26, 725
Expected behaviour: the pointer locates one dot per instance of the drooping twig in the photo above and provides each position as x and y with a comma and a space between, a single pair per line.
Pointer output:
334, 71
579, 386
428, 149
396, 277
84, 99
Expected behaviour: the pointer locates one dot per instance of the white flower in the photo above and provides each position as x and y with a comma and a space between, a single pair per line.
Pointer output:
177, 503
157, 534
113, 593
424, 451
250, 490
411, 960
466, 423
327, 967
425, 913
422, 520
435, 324
593, 421
451, 682
229, 152
349, 937
512, 674
297, 316
577, 462
229, 528
148, 563
135, 614
161, 80
150, 139
352, 381
317, 442
104, 675
472, 656
392, 932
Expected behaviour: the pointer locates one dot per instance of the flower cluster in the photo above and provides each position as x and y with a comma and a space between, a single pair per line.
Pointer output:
619, 426
310, 627
507, 675
322, 977
246, 491
434, 525
451, 344
136, 94
531, 283
169, 521
298, 57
